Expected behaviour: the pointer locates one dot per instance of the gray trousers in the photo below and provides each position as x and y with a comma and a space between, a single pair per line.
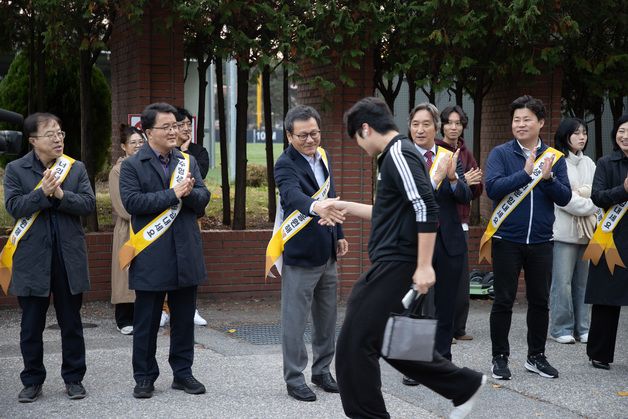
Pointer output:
302, 290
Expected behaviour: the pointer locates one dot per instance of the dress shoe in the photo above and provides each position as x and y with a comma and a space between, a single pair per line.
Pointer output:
600, 365
126, 330
29, 393
188, 384
326, 382
75, 390
407, 381
302, 393
143, 389
464, 337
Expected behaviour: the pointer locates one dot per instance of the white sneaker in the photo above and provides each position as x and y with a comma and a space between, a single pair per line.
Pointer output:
465, 408
165, 319
565, 339
126, 330
198, 320
584, 338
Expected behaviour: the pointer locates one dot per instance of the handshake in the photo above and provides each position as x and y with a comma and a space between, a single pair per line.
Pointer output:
331, 211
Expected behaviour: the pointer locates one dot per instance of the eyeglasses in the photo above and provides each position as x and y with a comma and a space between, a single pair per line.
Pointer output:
182, 125
315, 135
135, 143
173, 127
51, 135
454, 123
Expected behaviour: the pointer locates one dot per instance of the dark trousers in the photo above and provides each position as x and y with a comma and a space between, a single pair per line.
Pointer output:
603, 332
148, 305
508, 260
447, 270
462, 297
124, 314
68, 311
374, 296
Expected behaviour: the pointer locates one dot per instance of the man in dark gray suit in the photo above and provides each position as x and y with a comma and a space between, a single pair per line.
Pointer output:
164, 192
47, 192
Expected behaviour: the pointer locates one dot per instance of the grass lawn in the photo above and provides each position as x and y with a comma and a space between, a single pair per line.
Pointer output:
256, 198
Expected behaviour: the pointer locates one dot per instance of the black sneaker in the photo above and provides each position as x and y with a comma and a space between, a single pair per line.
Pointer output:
189, 384
538, 364
500, 368
29, 393
75, 390
143, 389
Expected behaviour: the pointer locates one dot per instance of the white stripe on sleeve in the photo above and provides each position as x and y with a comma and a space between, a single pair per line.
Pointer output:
408, 182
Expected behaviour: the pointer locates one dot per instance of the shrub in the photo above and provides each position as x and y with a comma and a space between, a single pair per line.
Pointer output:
256, 175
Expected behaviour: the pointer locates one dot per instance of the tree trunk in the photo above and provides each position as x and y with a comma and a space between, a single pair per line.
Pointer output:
411, 92
597, 116
478, 103
459, 92
30, 106
242, 107
224, 159
286, 101
40, 98
85, 80
617, 107
202, 67
270, 158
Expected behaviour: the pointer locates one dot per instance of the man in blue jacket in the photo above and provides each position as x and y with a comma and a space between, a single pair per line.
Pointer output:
524, 178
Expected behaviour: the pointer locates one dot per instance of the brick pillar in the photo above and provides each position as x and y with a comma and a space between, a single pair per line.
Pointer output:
146, 66
352, 167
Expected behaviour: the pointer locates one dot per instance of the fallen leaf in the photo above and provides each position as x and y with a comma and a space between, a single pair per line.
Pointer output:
622, 393
497, 386
231, 331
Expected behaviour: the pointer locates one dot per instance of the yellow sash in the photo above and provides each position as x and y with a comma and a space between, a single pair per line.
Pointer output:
511, 201
295, 222
441, 153
602, 240
159, 225
60, 168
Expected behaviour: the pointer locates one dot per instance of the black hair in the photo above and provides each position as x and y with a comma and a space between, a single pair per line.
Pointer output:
373, 111
621, 121
563, 134
32, 122
300, 113
528, 102
444, 117
127, 132
183, 113
149, 114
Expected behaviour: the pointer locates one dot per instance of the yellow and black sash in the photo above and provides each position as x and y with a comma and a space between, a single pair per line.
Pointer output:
60, 168
511, 201
602, 240
159, 225
295, 222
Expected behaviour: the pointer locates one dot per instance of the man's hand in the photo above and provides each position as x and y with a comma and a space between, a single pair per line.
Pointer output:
546, 170
423, 278
58, 193
451, 168
473, 176
342, 247
530, 163
329, 214
626, 184
186, 145
442, 170
184, 188
49, 184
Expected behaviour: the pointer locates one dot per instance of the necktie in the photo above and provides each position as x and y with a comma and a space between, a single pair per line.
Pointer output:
428, 159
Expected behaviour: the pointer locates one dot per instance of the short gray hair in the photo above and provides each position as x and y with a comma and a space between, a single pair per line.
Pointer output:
426, 106
300, 113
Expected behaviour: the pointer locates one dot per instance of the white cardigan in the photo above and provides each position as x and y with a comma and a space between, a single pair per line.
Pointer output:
580, 169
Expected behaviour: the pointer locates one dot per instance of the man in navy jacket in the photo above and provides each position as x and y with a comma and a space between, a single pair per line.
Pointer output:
524, 238
309, 277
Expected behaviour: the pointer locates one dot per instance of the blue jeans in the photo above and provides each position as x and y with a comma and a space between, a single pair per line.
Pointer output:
569, 315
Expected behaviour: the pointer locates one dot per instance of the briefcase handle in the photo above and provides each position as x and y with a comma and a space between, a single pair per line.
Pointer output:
414, 309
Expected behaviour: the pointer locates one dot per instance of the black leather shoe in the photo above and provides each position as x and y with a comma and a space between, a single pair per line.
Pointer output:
302, 393
29, 393
189, 384
143, 389
75, 390
326, 382
600, 365
407, 381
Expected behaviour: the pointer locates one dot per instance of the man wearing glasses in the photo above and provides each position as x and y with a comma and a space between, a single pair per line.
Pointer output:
47, 192
163, 191
309, 276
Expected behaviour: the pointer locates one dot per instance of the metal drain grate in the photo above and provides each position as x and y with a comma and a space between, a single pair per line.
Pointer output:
265, 334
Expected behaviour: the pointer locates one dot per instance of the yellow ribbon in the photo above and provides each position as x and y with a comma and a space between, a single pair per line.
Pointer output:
60, 168
159, 225
602, 241
507, 205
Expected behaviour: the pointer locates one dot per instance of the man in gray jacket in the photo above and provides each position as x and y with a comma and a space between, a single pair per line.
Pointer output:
47, 192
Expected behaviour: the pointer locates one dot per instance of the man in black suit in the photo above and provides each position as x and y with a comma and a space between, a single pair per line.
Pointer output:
309, 277
450, 189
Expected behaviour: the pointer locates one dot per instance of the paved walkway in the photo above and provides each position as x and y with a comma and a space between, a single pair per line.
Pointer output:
244, 380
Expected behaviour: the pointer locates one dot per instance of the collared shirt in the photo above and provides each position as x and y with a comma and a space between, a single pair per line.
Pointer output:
165, 161
316, 164
422, 151
526, 151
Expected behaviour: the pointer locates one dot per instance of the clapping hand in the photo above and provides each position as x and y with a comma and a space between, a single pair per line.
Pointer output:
50, 184
452, 162
473, 176
183, 188
546, 171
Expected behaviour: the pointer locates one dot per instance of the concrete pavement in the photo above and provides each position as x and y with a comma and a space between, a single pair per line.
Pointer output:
244, 380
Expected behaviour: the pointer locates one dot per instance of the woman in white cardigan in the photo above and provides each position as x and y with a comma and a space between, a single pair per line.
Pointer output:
574, 226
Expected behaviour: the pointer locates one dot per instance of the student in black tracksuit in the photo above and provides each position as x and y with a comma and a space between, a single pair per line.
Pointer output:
403, 226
